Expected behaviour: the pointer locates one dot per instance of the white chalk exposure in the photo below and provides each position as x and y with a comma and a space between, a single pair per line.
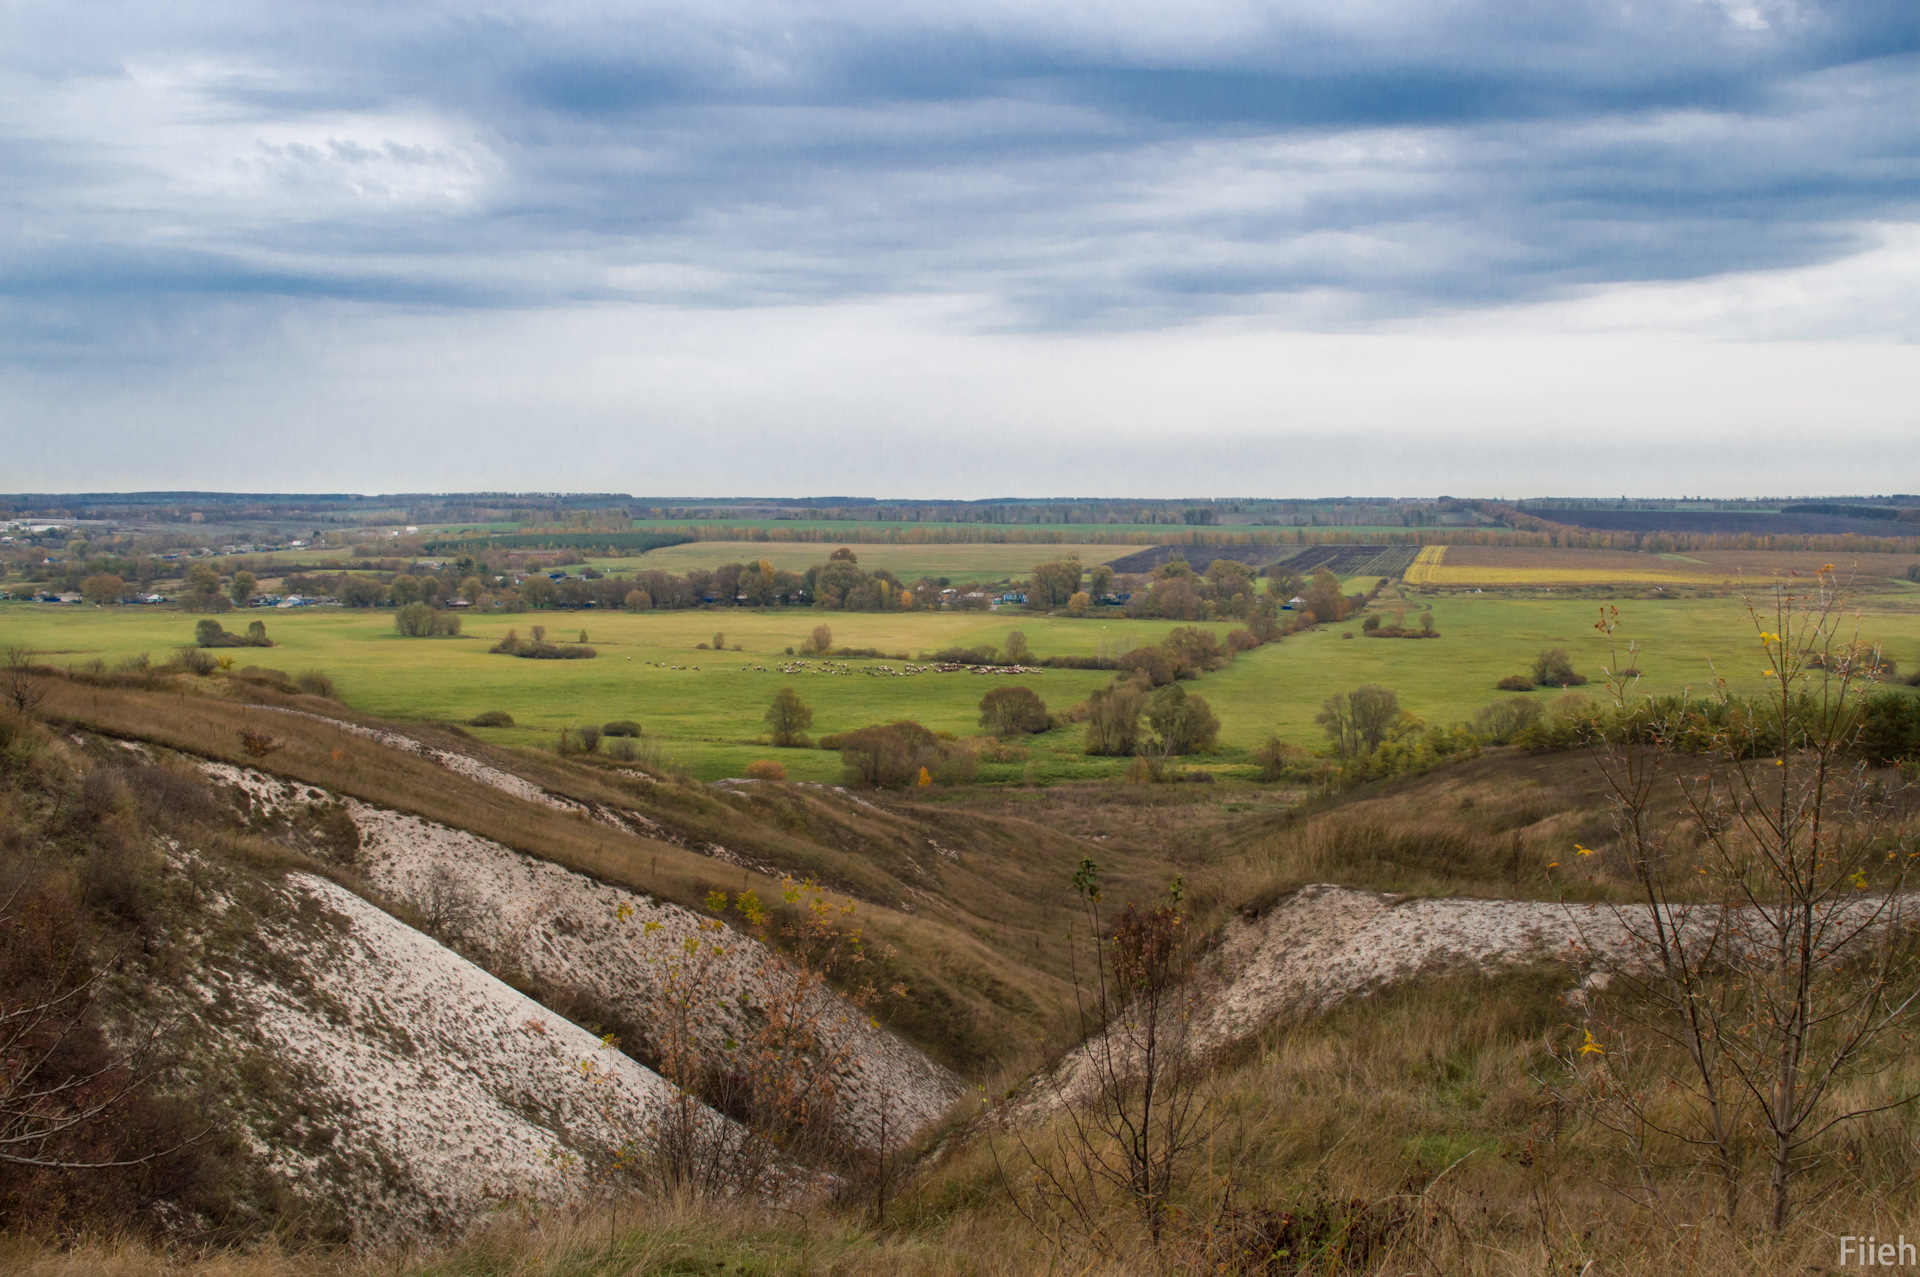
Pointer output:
518, 912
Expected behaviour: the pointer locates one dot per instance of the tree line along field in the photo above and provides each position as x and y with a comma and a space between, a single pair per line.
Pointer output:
709, 719
960, 562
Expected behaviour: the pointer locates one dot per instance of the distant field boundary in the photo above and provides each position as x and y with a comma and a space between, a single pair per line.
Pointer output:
1545, 536
1342, 559
636, 542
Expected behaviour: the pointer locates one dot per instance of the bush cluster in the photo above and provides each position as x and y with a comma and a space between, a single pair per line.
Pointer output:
210, 633
423, 620
537, 648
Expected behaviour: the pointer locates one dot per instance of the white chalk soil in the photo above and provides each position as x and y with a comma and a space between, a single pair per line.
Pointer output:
1323, 945
396, 1088
523, 916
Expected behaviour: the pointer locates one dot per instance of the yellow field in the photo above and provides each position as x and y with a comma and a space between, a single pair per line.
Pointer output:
1463, 566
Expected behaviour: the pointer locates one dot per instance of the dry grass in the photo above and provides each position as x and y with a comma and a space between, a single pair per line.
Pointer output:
1415, 1124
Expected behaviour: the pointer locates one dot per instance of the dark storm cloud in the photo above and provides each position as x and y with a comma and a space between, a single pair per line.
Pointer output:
1078, 168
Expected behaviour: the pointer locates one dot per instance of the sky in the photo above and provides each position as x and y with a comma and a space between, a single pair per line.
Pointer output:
1524, 248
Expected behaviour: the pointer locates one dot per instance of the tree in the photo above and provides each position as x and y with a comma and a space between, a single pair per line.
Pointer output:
1017, 652
241, 588
886, 756
788, 719
1113, 720
203, 593
20, 681
1013, 711
210, 633
361, 591
421, 620
1100, 581
1053, 584
1183, 721
1324, 599
1132, 1106
103, 587
1358, 721
821, 640
1079, 604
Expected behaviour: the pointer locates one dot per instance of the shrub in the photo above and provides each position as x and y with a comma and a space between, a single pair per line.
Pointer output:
195, 661
210, 633
492, 718
820, 640
1554, 668
1371, 624
315, 683
589, 737
621, 727
1013, 711
719, 642
1499, 722
1515, 683
1275, 758
539, 649
788, 718
765, 769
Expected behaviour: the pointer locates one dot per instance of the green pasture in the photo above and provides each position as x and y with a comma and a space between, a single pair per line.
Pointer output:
709, 717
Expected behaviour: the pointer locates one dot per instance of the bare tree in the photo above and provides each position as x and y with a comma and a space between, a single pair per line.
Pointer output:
1130, 1098
45, 1102
1778, 959
20, 681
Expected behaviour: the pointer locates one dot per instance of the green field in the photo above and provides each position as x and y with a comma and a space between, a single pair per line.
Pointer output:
709, 717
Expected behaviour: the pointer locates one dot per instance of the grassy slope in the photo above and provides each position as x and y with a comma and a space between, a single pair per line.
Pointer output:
1422, 1105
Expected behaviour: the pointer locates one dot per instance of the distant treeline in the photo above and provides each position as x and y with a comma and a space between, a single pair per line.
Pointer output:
1525, 530
633, 542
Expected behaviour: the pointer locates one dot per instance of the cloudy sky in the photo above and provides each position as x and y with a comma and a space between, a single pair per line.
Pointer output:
1512, 248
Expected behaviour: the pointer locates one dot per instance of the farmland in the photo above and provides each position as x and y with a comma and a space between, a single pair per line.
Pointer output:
1520, 566
704, 708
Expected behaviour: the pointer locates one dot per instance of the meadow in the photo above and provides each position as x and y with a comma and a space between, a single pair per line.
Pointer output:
705, 708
